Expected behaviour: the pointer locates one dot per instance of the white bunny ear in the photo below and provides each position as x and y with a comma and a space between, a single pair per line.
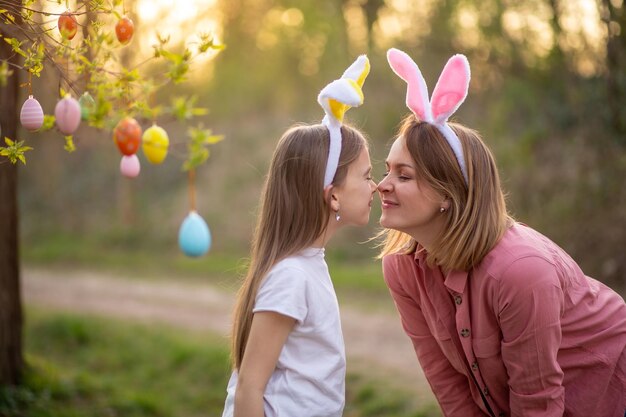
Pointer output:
451, 88
336, 98
416, 90
339, 96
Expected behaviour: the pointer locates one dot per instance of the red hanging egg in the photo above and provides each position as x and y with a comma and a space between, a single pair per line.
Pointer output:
127, 136
124, 30
67, 114
67, 24
31, 115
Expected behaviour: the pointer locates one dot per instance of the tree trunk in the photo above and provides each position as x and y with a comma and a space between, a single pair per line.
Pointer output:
615, 18
11, 359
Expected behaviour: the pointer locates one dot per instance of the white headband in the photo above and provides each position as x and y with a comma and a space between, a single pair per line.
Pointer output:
449, 93
336, 98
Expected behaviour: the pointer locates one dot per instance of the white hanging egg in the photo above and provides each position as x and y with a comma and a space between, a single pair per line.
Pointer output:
129, 166
67, 114
31, 115
194, 237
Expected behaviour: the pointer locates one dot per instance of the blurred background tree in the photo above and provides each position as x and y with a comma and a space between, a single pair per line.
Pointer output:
37, 37
548, 94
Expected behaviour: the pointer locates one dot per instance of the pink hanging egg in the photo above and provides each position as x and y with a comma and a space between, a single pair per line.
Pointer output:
129, 166
67, 114
31, 115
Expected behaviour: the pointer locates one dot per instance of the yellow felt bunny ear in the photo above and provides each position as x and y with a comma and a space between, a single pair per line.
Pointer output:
336, 98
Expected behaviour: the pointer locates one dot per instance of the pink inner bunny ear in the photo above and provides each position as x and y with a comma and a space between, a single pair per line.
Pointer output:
451, 88
416, 91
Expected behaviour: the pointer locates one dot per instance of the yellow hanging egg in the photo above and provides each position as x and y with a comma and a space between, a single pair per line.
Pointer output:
155, 144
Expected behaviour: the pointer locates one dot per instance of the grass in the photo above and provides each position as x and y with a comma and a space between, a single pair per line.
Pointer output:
94, 367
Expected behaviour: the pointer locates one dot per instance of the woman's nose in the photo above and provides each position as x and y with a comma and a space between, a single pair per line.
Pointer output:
383, 185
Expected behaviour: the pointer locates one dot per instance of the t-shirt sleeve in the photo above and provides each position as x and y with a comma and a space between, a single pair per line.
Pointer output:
283, 291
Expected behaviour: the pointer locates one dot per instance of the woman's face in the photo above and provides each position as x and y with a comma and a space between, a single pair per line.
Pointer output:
355, 195
409, 204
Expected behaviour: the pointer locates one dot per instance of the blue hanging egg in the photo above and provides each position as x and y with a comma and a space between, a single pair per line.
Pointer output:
194, 237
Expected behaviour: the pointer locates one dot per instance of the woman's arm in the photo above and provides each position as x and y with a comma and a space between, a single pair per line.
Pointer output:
449, 386
530, 308
268, 334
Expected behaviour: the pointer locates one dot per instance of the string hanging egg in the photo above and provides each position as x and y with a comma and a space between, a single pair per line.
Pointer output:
31, 115
130, 166
127, 136
87, 105
67, 114
194, 237
155, 143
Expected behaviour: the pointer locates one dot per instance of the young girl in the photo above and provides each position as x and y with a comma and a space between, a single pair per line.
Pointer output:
503, 321
287, 348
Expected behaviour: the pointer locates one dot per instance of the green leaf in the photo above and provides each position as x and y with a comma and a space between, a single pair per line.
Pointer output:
69, 144
14, 151
5, 73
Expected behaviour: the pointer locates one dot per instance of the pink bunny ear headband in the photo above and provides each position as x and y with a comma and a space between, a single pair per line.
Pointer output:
336, 98
449, 93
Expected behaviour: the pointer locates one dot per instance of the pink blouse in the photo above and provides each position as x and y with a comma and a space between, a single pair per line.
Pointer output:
525, 330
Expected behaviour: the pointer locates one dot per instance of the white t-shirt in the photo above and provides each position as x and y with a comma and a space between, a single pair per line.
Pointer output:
309, 378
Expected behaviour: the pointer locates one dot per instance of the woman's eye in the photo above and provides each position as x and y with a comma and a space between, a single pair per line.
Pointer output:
403, 178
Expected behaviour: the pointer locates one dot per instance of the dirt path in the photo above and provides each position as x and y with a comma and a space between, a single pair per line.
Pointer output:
375, 342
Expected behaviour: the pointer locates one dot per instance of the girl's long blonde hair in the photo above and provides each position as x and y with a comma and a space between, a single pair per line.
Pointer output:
293, 211
477, 217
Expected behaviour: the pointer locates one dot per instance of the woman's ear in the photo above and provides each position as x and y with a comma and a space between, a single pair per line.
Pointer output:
446, 203
331, 197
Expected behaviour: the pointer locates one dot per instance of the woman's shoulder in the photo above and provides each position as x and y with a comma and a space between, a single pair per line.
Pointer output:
523, 250
398, 260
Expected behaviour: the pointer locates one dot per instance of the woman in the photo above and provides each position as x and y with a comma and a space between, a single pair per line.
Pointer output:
503, 321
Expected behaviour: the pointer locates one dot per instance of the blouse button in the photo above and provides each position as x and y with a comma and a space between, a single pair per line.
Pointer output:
457, 299
465, 332
474, 366
486, 391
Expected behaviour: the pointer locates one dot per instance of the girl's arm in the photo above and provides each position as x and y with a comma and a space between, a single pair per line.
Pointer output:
268, 334
449, 386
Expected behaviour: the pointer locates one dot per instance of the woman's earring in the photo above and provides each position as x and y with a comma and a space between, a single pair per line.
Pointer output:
442, 209
337, 216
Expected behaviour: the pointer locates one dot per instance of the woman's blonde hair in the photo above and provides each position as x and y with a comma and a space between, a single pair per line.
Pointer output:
293, 211
477, 217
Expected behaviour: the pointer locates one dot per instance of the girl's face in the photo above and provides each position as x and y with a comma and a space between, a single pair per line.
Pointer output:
409, 205
355, 195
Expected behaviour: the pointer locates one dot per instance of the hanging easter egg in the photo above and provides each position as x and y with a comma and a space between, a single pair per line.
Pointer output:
67, 24
127, 136
124, 30
129, 166
31, 115
67, 114
194, 237
87, 105
155, 143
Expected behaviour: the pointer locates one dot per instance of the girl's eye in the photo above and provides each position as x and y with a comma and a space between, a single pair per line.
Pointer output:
368, 178
403, 178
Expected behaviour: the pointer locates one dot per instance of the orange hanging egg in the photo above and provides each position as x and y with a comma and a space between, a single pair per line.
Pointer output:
127, 136
124, 30
67, 24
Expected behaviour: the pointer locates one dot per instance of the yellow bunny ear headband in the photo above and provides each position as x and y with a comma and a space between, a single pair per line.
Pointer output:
336, 98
